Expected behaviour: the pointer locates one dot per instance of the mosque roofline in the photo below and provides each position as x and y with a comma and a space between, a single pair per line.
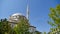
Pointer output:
32, 26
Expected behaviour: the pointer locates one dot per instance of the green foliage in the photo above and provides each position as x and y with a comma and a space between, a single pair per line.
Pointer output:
55, 16
44, 32
4, 26
49, 32
22, 27
37, 32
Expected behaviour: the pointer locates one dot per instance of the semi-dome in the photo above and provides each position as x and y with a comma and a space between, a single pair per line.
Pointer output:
17, 14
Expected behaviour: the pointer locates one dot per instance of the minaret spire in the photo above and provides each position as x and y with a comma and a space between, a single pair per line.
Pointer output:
27, 12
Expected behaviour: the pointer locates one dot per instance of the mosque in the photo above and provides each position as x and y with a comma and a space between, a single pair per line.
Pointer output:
14, 19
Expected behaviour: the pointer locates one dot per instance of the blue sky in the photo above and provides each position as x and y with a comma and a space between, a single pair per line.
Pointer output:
39, 10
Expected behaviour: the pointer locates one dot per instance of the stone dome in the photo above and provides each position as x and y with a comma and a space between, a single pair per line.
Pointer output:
16, 17
15, 14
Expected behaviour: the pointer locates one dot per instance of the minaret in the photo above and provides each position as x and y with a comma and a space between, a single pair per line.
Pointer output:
27, 13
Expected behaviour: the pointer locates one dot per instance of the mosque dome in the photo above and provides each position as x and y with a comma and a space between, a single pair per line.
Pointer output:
16, 17
15, 14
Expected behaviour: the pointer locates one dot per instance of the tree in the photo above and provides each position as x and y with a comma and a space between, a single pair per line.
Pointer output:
22, 27
1, 27
4, 26
44, 32
55, 16
49, 32
37, 32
